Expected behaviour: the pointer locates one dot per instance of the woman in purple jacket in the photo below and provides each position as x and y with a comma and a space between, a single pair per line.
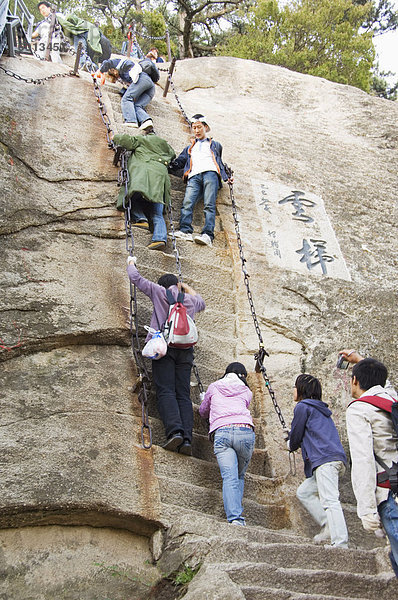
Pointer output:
226, 405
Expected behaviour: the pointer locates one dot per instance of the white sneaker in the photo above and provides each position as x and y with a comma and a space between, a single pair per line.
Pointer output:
323, 535
182, 235
238, 522
146, 124
133, 125
203, 239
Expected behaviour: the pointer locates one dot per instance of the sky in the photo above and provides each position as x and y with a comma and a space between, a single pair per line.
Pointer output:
387, 49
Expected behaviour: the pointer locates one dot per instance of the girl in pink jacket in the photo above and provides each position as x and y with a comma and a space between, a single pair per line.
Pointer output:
226, 405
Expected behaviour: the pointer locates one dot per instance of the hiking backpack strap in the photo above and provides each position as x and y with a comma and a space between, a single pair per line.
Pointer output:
171, 300
383, 403
388, 479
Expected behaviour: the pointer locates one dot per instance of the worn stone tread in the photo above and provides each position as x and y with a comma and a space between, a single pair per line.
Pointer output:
210, 501
267, 593
365, 587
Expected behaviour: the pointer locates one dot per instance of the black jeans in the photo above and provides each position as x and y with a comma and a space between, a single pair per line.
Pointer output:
172, 376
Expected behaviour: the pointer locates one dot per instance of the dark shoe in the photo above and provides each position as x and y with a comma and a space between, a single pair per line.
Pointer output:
185, 448
157, 245
173, 442
142, 224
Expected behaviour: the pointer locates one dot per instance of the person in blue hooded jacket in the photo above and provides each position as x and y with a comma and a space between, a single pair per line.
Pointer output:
324, 459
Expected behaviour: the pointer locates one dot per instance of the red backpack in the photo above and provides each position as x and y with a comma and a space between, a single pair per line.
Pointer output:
388, 479
179, 330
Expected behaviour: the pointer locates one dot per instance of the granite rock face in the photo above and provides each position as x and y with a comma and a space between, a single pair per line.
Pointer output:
315, 171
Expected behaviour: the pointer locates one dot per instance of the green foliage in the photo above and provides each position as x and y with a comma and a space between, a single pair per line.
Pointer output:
317, 37
186, 574
381, 87
381, 18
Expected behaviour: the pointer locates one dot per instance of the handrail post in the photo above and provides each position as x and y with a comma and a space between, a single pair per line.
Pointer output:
77, 60
171, 69
168, 45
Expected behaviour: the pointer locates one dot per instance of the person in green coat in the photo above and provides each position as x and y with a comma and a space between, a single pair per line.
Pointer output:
80, 30
149, 182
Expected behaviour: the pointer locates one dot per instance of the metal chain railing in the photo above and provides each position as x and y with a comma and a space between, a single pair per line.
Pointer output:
36, 81
262, 353
143, 375
180, 278
184, 114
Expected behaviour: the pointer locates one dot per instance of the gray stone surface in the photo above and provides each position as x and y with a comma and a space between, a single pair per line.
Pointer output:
71, 419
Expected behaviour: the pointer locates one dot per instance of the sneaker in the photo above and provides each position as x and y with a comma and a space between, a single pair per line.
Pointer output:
157, 245
323, 535
182, 235
238, 522
203, 239
185, 448
146, 125
141, 224
133, 125
173, 442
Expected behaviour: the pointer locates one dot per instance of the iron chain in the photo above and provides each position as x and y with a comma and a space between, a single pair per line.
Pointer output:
121, 159
37, 81
262, 353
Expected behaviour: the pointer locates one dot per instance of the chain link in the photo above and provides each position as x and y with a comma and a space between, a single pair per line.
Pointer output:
184, 114
106, 120
121, 159
144, 379
180, 278
35, 81
262, 353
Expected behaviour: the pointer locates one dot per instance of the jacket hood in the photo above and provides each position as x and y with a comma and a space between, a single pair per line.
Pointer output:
319, 405
230, 385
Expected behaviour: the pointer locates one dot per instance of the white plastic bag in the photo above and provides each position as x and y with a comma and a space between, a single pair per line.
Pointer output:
156, 347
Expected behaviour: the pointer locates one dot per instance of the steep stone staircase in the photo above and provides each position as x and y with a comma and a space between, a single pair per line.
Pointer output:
265, 560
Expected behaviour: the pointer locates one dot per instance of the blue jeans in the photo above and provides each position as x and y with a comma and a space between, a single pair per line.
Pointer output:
139, 208
233, 447
136, 97
388, 511
203, 185
319, 494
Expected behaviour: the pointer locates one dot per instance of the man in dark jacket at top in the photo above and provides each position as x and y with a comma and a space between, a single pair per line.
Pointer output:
203, 172
324, 460
141, 78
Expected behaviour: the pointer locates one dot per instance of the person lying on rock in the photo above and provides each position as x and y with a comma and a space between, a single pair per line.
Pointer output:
324, 460
140, 78
203, 171
226, 405
172, 373
149, 182
372, 437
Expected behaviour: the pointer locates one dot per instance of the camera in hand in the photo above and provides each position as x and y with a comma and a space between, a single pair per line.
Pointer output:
342, 363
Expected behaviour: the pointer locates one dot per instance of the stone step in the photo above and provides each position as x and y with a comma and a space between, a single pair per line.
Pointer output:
323, 581
266, 593
260, 489
202, 448
188, 520
210, 502
303, 556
